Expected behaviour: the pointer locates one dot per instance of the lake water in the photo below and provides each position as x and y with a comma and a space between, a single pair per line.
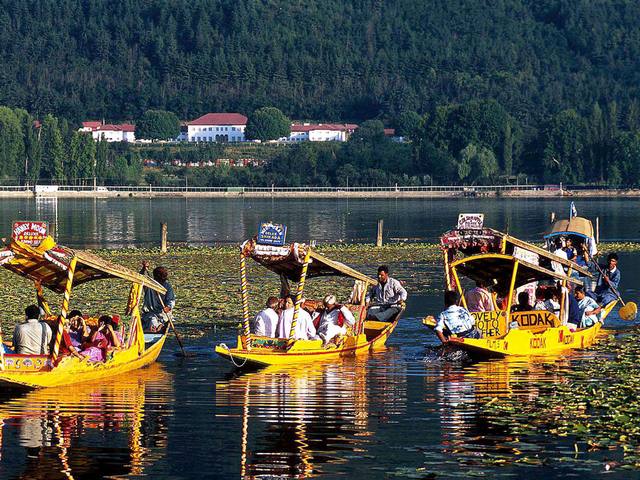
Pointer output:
399, 413
121, 222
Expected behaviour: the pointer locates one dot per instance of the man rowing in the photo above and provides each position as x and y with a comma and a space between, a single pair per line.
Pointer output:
455, 320
386, 299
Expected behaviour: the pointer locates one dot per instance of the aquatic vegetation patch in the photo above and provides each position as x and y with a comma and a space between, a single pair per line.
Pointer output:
594, 402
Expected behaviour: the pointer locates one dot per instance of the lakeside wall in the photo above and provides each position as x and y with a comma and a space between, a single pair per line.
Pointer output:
523, 191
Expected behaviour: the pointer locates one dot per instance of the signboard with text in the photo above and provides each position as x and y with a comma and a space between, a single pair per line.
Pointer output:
31, 233
272, 234
470, 221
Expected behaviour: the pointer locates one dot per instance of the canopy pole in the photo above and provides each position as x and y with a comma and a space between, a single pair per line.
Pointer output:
296, 310
511, 286
564, 291
459, 287
447, 274
2, 365
65, 308
246, 331
42, 302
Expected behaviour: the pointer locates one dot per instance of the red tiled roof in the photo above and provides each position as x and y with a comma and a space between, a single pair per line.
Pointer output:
220, 119
91, 124
389, 132
338, 127
125, 127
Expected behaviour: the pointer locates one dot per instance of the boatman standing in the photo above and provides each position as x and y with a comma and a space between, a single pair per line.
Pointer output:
385, 299
156, 305
455, 320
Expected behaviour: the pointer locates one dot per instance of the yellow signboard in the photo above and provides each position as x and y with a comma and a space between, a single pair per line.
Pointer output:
491, 324
535, 320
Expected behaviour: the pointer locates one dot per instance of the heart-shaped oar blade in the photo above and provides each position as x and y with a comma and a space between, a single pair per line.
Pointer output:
629, 311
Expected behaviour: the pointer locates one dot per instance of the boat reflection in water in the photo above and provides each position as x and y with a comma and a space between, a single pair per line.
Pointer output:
89, 430
296, 420
468, 433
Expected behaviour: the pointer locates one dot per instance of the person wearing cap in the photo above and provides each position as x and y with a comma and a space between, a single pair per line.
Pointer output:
334, 320
155, 305
304, 324
386, 298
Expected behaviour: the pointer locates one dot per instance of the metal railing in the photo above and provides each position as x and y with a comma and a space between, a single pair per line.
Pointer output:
275, 190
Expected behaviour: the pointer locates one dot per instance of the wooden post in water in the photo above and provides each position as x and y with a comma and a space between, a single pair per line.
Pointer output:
163, 238
597, 230
552, 218
379, 238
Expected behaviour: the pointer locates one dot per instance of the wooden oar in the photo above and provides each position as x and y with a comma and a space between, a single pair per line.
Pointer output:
629, 310
172, 325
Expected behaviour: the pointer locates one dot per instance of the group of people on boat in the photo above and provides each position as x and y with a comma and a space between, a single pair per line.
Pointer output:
90, 338
329, 321
82, 338
583, 305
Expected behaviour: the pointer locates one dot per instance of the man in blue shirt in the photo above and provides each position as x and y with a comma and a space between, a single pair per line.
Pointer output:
455, 320
608, 281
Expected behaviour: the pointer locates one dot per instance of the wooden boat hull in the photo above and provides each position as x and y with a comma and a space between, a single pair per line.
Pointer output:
523, 342
71, 370
305, 351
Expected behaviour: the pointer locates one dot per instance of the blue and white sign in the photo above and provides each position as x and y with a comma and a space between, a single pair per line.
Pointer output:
272, 234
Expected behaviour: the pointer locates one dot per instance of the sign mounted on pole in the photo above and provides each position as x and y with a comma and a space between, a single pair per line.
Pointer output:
470, 221
31, 233
272, 234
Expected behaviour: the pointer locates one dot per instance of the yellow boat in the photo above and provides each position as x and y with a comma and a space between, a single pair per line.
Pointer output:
296, 262
59, 269
509, 264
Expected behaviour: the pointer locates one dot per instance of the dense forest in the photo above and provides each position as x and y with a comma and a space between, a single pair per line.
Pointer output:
542, 88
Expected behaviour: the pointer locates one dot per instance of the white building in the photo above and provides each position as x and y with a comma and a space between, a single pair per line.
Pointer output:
124, 132
217, 127
321, 132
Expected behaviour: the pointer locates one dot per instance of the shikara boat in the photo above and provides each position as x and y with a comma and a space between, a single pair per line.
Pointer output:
59, 269
295, 263
509, 264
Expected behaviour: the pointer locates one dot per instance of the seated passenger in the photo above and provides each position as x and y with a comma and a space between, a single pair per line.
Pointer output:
334, 320
32, 337
103, 340
589, 308
523, 303
304, 325
72, 335
551, 297
570, 250
455, 320
266, 322
559, 251
479, 299
540, 303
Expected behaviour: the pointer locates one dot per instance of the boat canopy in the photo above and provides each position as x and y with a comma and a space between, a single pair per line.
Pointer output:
48, 264
497, 270
490, 241
579, 226
287, 261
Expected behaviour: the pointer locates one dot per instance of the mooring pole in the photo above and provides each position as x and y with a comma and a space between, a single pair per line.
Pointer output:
163, 239
379, 238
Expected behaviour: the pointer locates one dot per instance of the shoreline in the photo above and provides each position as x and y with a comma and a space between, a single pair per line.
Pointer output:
468, 192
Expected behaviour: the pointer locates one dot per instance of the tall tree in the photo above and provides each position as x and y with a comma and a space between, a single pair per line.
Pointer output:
53, 152
11, 143
267, 123
158, 125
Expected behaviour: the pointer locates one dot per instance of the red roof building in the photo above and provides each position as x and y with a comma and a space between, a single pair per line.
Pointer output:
217, 127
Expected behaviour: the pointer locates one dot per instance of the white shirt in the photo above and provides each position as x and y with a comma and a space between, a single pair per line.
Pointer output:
456, 319
32, 337
265, 323
304, 325
329, 327
556, 266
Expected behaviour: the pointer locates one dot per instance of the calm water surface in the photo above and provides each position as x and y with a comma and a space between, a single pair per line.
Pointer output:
122, 222
398, 413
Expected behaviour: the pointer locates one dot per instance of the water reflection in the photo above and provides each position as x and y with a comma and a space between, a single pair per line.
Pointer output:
297, 420
93, 430
117, 222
